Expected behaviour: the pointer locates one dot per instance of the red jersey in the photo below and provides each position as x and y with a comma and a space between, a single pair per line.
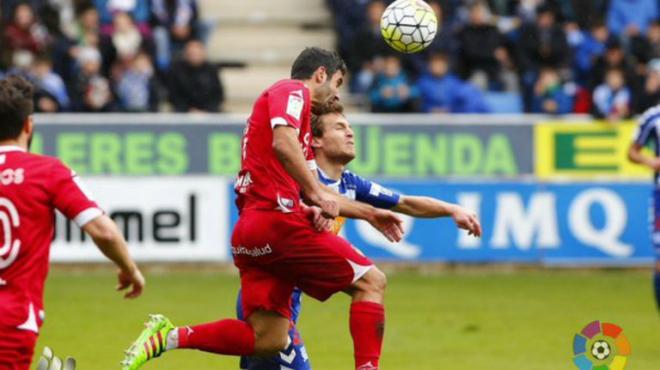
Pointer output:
32, 187
263, 183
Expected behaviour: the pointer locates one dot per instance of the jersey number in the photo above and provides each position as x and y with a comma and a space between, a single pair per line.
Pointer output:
9, 220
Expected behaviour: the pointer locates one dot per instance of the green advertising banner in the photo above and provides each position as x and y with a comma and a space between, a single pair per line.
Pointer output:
179, 145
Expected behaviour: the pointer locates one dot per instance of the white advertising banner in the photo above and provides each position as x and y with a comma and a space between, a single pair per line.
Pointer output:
163, 219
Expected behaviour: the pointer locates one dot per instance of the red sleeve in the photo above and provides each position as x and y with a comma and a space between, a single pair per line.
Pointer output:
286, 106
70, 197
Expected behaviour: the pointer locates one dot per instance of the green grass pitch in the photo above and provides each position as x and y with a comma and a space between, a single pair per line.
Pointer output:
452, 320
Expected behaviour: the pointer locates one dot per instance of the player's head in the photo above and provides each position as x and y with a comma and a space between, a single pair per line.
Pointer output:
332, 135
16, 107
323, 71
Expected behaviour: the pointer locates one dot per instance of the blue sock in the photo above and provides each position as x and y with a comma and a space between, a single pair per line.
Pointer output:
657, 288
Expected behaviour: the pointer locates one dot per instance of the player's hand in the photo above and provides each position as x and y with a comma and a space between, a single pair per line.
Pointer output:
329, 207
467, 220
388, 223
133, 279
315, 215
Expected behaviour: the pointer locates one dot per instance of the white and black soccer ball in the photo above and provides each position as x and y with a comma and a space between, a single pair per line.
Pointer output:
408, 26
601, 350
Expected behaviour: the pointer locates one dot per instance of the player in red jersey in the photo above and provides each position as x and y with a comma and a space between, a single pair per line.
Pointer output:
32, 187
275, 245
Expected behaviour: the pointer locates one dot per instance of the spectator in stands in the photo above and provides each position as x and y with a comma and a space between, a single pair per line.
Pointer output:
612, 99
630, 17
135, 85
438, 87
367, 43
194, 84
88, 27
24, 32
91, 91
443, 92
550, 95
588, 49
137, 9
650, 95
126, 38
392, 92
349, 18
443, 41
174, 23
480, 47
646, 47
51, 94
541, 44
614, 57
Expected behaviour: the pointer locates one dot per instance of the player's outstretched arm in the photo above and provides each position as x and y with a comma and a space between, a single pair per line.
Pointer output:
111, 243
636, 155
287, 149
388, 223
427, 207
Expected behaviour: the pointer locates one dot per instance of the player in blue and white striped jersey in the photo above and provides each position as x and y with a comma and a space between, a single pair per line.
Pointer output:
649, 132
334, 148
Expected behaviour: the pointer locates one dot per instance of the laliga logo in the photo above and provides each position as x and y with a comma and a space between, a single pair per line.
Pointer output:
9, 219
601, 346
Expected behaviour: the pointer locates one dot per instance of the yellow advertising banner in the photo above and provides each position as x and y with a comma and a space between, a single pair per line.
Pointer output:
585, 150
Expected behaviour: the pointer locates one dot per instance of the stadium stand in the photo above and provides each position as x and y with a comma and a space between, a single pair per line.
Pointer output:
534, 56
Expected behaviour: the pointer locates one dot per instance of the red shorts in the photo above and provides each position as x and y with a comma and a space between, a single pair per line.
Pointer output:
16, 348
276, 252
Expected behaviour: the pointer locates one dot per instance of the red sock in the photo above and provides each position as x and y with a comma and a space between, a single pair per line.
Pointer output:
225, 337
367, 324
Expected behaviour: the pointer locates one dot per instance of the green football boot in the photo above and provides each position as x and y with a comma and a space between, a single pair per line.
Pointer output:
150, 344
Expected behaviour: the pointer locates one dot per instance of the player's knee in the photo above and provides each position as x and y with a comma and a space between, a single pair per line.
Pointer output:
376, 281
657, 267
270, 345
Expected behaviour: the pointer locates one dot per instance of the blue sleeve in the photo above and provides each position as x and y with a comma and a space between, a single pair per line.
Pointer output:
646, 126
373, 193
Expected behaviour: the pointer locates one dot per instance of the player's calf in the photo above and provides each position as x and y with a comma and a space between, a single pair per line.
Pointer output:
367, 318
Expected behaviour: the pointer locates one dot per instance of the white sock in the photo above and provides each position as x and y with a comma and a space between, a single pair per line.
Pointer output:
172, 339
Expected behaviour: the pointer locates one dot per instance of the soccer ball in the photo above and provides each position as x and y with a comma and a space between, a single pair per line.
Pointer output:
408, 26
600, 350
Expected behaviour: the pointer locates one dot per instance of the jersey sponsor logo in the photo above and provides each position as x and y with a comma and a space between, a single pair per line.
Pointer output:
9, 219
295, 104
252, 252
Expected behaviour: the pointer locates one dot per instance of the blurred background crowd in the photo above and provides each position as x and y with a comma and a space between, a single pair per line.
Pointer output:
553, 56
110, 55
501, 56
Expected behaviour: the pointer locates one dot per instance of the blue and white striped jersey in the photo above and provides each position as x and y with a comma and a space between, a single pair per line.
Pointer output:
649, 131
355, 187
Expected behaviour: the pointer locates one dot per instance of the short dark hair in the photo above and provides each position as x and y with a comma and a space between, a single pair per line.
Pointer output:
334, 107
310, 59
16, 105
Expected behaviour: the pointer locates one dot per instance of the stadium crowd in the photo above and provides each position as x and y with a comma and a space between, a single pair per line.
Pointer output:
551, 56
536, 56
109, 55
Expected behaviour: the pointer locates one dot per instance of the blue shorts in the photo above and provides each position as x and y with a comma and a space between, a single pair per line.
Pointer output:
294, 357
